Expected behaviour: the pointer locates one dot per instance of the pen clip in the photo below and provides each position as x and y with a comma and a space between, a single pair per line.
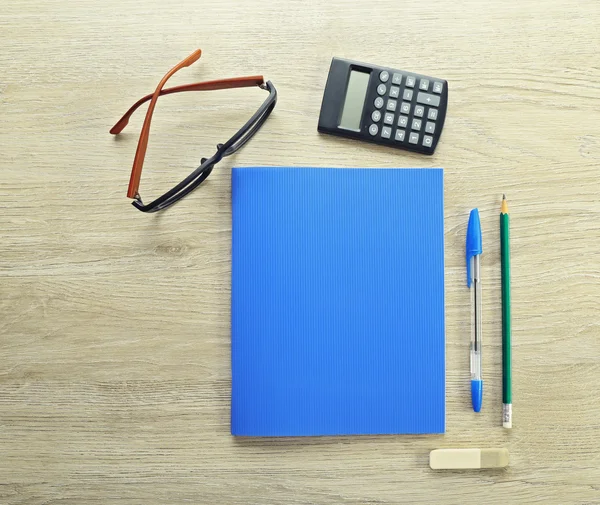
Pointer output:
473, 247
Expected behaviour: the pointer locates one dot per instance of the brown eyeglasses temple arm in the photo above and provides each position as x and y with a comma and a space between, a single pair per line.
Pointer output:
235, 82
140, 153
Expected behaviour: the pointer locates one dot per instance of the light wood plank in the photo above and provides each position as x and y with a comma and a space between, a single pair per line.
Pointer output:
114, 326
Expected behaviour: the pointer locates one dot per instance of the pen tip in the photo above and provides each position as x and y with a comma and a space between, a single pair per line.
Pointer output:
503, 196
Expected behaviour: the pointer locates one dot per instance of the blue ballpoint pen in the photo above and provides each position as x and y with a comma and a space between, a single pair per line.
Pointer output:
474, 251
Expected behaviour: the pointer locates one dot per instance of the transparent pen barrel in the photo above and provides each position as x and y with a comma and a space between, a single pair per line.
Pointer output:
475, 319
475, 365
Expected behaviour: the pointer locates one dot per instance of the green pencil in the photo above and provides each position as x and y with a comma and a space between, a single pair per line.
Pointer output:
506, 351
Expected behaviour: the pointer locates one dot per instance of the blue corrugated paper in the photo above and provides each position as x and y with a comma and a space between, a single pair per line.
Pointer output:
337, 309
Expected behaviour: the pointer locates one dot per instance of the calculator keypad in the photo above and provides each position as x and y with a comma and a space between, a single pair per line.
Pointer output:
412, 108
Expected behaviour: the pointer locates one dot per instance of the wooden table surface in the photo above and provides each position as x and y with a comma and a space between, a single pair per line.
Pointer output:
114, 325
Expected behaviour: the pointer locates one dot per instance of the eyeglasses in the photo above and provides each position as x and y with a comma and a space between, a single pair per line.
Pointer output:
196, 178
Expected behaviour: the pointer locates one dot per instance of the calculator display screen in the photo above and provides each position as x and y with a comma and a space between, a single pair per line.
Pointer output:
355, 100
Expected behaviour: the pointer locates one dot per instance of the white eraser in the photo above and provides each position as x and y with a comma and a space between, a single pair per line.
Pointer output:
457, 459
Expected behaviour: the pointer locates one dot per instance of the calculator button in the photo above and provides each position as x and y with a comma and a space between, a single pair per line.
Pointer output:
373, 129
408, 94
428, 99
405, 108
432, 114
419, 111
396, 78
410, 81
394, 92
391, 105
400, 134
403, 121
381, 89
424, 85
376, 116
437, 87
413, 138
386, 132
384, 76
388, 118
378, 102
416, 124
430, 127
427, 141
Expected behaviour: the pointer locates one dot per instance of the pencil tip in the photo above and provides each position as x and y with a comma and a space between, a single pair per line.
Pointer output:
504, 206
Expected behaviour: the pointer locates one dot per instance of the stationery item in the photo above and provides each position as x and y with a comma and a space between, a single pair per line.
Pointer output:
474, 251
384, 105
196, 178
458, 459
506, 337
337, 301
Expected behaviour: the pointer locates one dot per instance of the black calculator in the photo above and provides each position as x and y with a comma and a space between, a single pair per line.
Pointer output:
384, 105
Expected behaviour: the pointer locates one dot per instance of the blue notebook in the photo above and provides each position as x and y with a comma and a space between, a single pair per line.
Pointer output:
337, 301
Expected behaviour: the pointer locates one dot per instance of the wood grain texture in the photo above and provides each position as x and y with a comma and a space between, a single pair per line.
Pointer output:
114, 325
